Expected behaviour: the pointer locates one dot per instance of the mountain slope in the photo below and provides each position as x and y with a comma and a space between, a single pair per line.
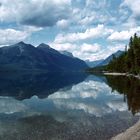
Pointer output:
109, 58
104, 62
93, 63
67, 53
25, 56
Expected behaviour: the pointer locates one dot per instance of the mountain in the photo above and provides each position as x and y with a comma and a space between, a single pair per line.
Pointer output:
110, 58
93, 63
23, 56
67, 53
104, 62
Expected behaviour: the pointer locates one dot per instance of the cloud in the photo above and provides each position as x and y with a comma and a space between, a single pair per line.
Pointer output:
96, 32
87, 51
103, 53
10, 36
87, 20
123, 35
36, 13
90, 48
115, 47
133, 5
84, 51
119, 36
45, 13
63, 24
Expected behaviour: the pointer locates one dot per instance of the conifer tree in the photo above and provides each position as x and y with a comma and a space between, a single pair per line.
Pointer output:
130, 60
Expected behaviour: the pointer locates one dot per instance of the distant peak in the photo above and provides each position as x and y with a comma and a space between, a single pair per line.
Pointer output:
118, 51
44, 45
21, 43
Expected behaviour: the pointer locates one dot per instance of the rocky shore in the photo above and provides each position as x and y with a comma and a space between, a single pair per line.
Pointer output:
132, 133
123, 74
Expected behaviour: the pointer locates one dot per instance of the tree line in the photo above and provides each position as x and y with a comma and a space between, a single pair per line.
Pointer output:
129, 61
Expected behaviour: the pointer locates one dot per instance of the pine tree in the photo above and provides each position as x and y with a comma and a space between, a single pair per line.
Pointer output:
130, 60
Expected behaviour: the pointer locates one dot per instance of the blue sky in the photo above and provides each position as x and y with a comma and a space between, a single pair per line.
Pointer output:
90, 29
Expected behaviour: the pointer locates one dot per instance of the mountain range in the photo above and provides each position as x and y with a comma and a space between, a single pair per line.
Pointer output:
93, 63
104, 62
22, 56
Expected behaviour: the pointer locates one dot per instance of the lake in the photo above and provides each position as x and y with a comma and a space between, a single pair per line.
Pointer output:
66, 106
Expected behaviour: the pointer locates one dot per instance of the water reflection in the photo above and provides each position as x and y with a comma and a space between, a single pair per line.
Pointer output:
9, 105
25, 85
130, 88
63, 106
90, 96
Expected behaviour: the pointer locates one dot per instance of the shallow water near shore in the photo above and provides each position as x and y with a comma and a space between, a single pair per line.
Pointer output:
58, 106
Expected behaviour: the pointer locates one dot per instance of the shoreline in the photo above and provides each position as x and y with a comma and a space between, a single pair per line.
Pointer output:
132, 133
121, 74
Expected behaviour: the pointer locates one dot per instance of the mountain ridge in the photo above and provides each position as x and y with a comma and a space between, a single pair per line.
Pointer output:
104, 62
26, 56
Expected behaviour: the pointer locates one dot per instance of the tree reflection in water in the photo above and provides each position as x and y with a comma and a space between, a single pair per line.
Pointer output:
130, 87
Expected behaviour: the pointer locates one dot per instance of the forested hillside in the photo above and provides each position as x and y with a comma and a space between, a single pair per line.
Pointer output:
128, 61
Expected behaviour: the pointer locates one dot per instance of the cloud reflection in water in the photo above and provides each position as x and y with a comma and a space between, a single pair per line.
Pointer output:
93, 97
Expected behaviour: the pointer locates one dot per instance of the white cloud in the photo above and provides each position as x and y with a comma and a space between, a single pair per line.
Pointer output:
89, 48
84, 51
87, 51
96, 32
63, 24
119, 36
104, 52
115, 47
133, 5
10, 36
90, 52
123, 35
65, 46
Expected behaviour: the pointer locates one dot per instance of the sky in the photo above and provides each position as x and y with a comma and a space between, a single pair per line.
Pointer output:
90, 29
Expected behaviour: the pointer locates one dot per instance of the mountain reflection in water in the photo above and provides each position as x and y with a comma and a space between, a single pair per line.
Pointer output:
66, 106
25, 85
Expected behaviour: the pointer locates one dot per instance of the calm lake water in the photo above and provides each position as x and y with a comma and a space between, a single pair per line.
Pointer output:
62, 106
